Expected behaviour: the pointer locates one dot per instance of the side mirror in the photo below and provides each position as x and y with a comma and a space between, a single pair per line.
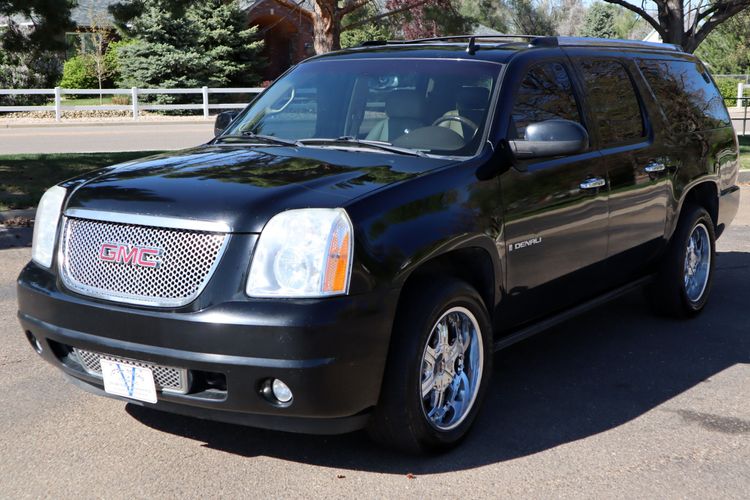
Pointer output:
551, 138
223, 120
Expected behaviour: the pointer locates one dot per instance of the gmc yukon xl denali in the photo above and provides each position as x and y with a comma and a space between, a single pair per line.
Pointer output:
352, 247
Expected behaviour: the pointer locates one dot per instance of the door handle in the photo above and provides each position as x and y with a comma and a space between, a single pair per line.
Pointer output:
655, 168
593, 183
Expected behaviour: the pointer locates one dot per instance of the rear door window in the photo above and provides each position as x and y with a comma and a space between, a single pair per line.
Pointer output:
686, 94
546, 93
613, 101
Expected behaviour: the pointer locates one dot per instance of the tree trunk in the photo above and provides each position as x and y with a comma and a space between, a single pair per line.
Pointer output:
673, 22
326, 27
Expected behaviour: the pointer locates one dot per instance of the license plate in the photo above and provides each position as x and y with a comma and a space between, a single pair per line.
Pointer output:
122, 379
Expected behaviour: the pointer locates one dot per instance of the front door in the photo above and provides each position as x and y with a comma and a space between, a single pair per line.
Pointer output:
555, 209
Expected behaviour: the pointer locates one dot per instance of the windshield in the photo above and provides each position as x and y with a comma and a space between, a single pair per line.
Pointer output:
432, 106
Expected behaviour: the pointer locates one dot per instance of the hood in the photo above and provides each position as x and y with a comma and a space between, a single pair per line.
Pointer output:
240, 185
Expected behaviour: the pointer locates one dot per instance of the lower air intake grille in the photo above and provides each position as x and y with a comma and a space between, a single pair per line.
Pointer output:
167, 378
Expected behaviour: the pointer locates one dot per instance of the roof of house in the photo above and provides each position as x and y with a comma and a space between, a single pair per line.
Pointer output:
81, 15
88, 9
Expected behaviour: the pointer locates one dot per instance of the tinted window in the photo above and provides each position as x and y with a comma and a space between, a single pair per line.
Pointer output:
403, 102
545, 94
687, 95
613, 101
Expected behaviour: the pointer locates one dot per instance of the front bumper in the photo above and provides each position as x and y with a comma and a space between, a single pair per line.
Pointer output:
330, 352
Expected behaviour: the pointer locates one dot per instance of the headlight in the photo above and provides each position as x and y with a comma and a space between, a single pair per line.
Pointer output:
303, 253
45, 226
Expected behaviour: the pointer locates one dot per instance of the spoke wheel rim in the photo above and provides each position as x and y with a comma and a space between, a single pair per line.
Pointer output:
697, 263
451, 369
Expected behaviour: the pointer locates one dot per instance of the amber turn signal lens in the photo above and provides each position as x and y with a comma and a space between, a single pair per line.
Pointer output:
337, 264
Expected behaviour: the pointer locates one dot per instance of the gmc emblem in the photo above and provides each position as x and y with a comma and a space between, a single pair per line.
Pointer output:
129, 254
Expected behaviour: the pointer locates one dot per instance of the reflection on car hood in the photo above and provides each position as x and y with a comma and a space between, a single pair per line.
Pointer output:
240, 185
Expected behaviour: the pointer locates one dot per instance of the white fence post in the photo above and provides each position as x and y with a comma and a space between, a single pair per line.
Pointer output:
205, 102
740, 87
134, 98
58, 104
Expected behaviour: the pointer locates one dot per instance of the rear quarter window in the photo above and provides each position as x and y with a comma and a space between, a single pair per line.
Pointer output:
686, 94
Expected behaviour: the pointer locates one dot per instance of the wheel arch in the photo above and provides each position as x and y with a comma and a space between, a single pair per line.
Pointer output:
472, 262
703, 193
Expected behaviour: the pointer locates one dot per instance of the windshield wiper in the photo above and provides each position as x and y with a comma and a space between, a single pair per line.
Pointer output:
384, 146
260, 137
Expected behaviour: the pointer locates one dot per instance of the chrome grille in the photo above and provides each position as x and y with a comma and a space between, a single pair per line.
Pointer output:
166, 378
186, 263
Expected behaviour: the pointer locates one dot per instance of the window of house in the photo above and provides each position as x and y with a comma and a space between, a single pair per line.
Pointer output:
546, 93
613, 101
686, 94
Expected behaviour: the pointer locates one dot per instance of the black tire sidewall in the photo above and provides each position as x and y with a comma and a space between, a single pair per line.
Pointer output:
696, 216
413, 329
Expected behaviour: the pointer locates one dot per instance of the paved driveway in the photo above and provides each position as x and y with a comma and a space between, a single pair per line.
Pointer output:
617, 403
104, 137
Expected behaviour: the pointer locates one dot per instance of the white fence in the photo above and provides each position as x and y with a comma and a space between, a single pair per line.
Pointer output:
743, 90
135, 107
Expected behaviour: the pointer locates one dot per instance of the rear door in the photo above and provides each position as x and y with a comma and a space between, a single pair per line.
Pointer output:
636, 167
555, 208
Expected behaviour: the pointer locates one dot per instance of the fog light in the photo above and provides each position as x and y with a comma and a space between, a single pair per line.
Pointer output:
281, 391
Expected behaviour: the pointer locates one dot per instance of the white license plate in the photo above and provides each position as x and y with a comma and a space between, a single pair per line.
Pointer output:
122, 379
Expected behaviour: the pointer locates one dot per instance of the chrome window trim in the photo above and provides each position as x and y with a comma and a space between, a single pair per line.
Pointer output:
149, 220
98, 293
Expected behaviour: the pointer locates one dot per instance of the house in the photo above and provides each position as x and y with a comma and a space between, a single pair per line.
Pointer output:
287, 31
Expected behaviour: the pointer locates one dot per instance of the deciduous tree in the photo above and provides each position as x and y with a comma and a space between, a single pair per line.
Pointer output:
686, 23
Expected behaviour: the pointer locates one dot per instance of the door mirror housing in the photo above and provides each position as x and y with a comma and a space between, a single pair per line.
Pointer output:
551, 138
223, 120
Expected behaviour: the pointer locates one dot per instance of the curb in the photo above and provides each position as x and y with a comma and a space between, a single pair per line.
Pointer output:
105, 124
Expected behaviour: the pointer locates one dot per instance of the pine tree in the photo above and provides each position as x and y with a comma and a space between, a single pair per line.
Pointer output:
600, 21
204, 43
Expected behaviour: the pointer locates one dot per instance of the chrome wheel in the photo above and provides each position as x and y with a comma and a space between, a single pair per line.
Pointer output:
697, 263
451, 368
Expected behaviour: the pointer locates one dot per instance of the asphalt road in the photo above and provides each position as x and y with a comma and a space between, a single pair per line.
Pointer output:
104, 137
617, 403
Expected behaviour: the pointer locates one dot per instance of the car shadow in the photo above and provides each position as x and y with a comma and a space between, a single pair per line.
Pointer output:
589, 375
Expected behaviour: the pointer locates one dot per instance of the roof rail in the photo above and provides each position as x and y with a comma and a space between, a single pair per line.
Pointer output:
547, 41
535, 41
572, 41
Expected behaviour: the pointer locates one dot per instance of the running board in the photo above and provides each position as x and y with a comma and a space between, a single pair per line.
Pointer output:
547, 323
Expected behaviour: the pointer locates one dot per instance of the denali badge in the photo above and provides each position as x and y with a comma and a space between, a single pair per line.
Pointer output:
525, 243
129, 254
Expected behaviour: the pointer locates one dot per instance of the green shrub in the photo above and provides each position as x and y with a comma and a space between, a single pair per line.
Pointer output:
112, 59
728, 89
79, 73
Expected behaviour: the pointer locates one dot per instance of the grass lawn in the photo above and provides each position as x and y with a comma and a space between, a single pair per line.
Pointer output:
24, 178
745, 151
87, 101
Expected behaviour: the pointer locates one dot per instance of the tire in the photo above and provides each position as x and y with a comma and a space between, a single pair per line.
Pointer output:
676, 292
402, 418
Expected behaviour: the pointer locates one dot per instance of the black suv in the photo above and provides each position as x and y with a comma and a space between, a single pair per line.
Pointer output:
351, 249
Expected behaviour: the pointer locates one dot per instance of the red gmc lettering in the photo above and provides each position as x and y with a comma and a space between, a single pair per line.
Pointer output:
126, 254
142, 257
107, 252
